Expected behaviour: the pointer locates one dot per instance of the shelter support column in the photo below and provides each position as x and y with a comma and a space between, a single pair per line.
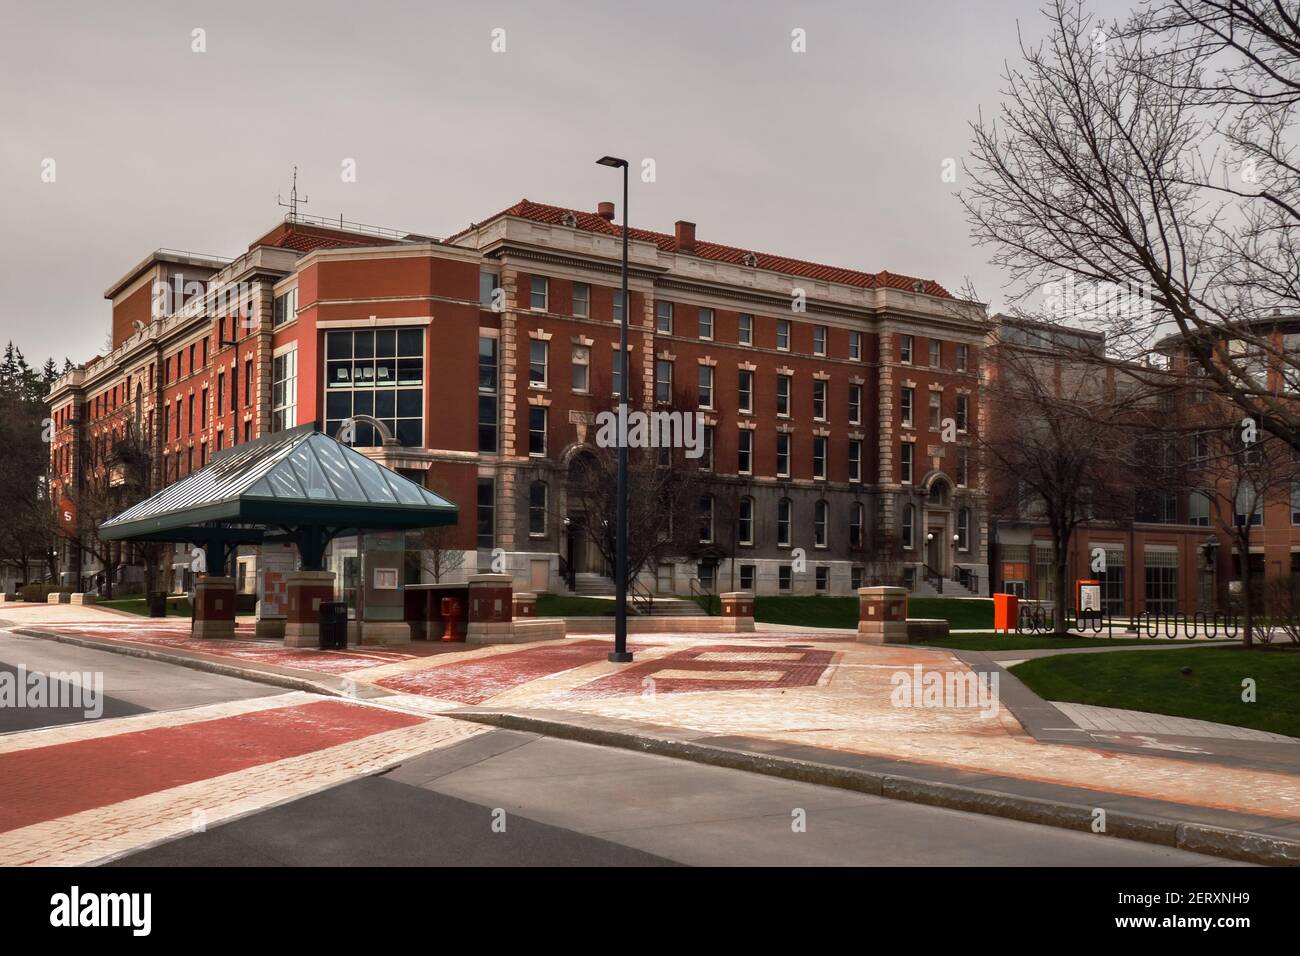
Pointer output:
214, 607
306, 591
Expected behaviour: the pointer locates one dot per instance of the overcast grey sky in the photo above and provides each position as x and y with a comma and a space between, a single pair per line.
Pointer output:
833, 155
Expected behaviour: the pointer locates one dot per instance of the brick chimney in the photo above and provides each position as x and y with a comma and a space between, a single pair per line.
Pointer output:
685, 236
606, 211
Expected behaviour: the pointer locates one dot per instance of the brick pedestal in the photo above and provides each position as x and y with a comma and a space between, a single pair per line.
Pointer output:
214, 607
882, 615
738, 610
306, 591
58, 597
491, 608
525, 604
81, 597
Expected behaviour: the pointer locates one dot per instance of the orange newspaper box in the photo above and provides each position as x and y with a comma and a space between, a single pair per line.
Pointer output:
451, 610
1006, 609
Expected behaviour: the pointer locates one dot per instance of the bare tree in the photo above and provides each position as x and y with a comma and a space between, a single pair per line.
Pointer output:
439, 554
1143, 177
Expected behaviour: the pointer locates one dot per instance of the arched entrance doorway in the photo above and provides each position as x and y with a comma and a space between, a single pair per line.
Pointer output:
937, 526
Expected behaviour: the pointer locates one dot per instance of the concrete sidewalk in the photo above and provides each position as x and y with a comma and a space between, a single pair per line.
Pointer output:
772, 697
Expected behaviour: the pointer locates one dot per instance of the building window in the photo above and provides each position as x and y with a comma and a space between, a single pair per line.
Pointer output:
936, 353
537, 494
783, 454
745, 452
221, 396
581, 368
963, 529
284, 308
664, 317
1162, 582
783, 334
936, 411
855, 460
963, 411
618, 370
373, 372
537, 355
538, 293
823, 577
962, 466
537, 430
819, 399
284, 391
909, 527
581, 300
745, 335
855, 577
706, 386
905, 349
487, 393
706, 323
855, 345
745, 521
1246, 502
485, 531
819, 456
784, 578
783, 523
857, 526
855, 404
905, 463
906, 402
203, 409
821, 515
706, 519
663, 382
819, 340
488, 283
706, 460
1198, 508
783, 396
617, 308
963, 357
1112, 582
745, 392
747, 577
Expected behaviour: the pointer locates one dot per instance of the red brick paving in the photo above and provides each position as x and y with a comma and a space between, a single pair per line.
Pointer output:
474, 681
804, 672
42, 783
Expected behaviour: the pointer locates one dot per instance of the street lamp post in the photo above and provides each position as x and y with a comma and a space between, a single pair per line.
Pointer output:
621, 654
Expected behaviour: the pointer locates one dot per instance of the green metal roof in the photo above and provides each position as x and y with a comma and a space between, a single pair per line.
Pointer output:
285, 480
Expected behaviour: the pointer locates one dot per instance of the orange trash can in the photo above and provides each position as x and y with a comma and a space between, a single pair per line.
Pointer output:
1006, 610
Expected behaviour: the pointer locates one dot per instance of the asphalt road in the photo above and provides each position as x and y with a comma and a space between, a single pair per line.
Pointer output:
130, 685
567, 803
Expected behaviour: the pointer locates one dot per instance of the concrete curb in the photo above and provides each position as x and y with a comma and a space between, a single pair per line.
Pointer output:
1195, 837
194, 663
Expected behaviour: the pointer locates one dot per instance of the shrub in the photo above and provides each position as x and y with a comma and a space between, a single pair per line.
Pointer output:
39, 593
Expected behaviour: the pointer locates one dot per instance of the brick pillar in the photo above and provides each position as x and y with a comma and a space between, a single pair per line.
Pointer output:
882, 615
491, 607
306, 591
214, 607
525, 604
738, 610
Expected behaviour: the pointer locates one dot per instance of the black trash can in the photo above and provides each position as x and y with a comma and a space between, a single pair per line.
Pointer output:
158, 604
333, 626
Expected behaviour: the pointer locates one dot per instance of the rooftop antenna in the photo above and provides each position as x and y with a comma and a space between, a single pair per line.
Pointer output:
292, 204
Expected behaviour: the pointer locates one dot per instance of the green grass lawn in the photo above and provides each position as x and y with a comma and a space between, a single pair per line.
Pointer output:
1154, 683
993, 641
567, 605
176, 606
819, 611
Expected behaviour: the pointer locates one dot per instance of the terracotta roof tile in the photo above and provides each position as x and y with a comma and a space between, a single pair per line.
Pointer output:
590, 222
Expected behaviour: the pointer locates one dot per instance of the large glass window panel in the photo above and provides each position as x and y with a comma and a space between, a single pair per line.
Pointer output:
385, 343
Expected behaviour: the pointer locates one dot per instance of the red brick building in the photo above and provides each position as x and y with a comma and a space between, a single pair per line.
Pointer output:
840, 405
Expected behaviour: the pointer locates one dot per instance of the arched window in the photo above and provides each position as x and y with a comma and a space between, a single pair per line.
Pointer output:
706, 519
909, 526
821, 513
857, 526
745, 521
939, 492
783, 523
963, 529
537, 494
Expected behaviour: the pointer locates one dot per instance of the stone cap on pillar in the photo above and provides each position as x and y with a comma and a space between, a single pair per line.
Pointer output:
213, 580
500, 580
883, 590
737, 595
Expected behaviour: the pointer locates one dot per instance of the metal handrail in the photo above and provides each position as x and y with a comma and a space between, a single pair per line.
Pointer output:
933, 577
699, 590
640, 596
